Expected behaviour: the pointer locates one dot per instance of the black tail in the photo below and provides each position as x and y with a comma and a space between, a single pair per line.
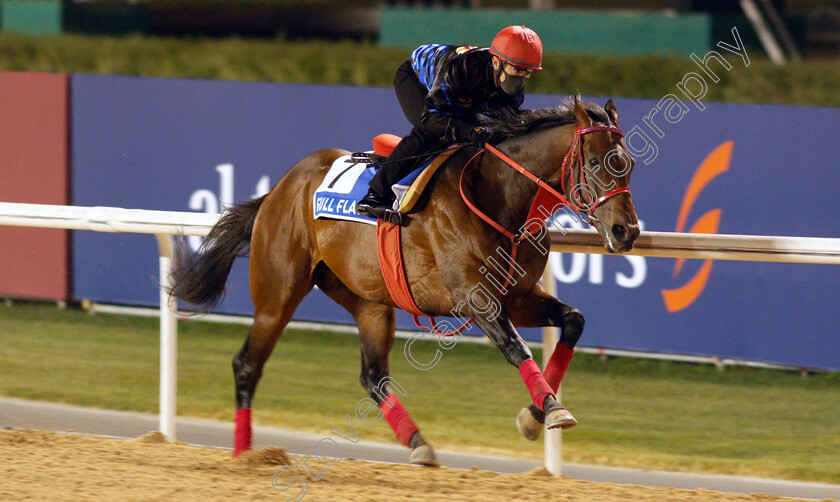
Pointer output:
200, 279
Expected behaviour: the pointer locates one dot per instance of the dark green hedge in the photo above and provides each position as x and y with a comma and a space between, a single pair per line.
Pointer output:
363, 63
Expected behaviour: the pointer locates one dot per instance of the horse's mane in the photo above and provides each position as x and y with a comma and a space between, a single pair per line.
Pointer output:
510, 122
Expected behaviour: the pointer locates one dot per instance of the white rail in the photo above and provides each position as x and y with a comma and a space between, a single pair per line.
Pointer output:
106, 219
164, 224
714, 246
110, 219
654, 244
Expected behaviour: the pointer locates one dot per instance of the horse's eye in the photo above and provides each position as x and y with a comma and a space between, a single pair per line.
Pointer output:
593, 162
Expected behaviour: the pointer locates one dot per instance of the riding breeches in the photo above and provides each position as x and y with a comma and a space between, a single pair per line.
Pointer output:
411, 94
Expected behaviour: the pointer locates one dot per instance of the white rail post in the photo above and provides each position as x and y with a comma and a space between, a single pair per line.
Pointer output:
550, 336
168, 341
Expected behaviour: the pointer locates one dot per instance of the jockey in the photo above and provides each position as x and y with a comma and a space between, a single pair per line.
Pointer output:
442, 89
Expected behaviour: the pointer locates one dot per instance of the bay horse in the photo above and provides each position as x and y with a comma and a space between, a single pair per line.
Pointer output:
447, 247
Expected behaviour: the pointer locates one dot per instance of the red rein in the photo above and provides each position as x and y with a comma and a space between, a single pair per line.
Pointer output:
545, 193
546, 196
540, 386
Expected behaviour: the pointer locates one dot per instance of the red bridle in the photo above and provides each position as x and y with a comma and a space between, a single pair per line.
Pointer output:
544, 187
576, 148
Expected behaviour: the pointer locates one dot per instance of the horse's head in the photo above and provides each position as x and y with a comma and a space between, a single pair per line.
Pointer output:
595, 175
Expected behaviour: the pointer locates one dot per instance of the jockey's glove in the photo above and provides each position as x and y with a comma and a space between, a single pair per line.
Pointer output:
476, 134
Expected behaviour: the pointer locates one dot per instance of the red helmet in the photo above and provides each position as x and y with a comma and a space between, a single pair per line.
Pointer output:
518, 46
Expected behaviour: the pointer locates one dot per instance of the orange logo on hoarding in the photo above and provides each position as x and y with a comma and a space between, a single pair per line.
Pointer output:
713, 165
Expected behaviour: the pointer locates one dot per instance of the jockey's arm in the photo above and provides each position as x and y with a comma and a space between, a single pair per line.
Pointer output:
447, 111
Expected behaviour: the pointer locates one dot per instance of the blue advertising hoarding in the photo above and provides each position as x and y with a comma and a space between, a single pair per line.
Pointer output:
189, 145
192, 145
728, 169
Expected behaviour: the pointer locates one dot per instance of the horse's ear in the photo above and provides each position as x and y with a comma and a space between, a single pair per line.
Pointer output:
612, 112
582, 117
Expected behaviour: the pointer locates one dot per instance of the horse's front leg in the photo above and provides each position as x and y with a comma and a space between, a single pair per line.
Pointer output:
538, 309
494, 321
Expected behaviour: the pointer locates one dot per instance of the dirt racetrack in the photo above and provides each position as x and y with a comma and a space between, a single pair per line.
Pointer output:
37, 465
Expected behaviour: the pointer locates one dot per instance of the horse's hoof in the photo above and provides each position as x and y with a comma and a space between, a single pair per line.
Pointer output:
559, 418
423, 455
528, 425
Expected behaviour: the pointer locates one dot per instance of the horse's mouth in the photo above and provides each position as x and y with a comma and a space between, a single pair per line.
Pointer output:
613, 244
617, 249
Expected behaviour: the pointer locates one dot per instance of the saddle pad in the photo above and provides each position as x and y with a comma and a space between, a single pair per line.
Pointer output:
347, 182
344, 185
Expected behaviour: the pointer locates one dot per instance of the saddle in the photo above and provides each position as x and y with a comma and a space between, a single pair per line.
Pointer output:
384, 144
348, 177
347, 181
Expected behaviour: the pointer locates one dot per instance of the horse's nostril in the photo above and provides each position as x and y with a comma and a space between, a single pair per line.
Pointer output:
620, 232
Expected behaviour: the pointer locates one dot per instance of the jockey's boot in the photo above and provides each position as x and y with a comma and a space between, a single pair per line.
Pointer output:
374, 204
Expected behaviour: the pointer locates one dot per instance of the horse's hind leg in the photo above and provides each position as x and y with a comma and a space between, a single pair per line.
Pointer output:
376, 329
276, 296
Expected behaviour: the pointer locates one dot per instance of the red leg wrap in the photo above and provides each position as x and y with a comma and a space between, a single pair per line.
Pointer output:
533, 378
557, 365
242, 434
398, 418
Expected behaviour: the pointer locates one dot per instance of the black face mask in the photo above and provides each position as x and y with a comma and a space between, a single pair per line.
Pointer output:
513, 85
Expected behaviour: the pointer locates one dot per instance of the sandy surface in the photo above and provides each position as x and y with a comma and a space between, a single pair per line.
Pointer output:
37, 465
